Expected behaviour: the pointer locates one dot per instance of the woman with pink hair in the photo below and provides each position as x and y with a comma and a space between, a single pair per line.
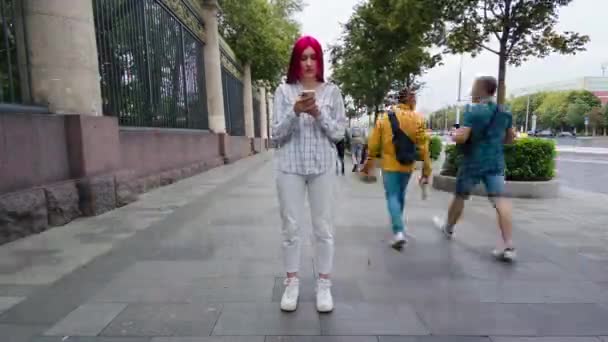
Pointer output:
308, 120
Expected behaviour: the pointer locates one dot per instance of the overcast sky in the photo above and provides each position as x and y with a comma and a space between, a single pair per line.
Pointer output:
322, 19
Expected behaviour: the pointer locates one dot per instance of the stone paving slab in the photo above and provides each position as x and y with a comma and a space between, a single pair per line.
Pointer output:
321, 339
8, 302
373, 319
266, 319
164, 320
18, 333
545, 339
210, 339
89, 339
87, 320
434, 339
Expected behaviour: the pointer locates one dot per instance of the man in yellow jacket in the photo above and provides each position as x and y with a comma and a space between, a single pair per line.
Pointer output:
396, 175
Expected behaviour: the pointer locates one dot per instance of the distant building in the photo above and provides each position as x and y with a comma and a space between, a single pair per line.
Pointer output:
594, 84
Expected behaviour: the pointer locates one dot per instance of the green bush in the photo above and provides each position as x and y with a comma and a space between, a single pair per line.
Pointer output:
435, 147
528, 159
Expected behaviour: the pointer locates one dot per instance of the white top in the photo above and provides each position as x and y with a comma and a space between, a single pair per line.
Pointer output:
305, 145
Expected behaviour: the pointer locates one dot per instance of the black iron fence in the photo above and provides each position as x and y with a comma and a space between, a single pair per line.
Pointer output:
14, 76
151, 64
257, 119
234, 109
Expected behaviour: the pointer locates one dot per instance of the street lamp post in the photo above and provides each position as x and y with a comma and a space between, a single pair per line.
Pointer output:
527, 113
459, 88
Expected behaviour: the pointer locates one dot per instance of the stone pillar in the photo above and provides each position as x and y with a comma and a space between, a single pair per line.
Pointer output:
270, 113
62, 51
248, 101
263, 114
213, 68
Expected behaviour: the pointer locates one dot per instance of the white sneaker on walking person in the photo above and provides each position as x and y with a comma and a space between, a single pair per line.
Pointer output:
448, 232
289, 301
398, 241
325, 302
507, 254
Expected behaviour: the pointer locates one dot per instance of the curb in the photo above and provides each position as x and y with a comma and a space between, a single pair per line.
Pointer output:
548, 189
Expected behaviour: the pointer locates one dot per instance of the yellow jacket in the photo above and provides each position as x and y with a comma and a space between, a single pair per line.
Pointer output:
380, 142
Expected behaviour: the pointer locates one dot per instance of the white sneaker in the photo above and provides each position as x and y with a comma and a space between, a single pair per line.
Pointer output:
289, 301
325, 302
398, 241
506, 255
440, 224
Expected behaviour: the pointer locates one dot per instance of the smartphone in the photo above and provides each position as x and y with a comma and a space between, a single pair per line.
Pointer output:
307, 93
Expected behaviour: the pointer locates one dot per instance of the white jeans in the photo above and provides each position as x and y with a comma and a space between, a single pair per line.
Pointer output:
292, 191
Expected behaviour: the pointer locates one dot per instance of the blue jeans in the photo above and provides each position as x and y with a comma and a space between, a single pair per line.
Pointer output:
395, 185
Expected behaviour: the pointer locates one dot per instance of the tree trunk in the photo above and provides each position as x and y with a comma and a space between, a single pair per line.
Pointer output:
502, 72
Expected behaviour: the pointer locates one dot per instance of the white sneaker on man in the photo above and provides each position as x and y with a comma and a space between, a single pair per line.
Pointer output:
448, 232
506, 255
289, 301
398, 241
325, 302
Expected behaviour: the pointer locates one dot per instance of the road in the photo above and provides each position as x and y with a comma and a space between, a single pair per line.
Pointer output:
586, 168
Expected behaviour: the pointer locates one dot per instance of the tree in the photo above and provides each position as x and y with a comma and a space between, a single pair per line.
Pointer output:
605, 115
553, 109
519, 107
379, 51
522, 29
575, 116
596, 119
262, 33
439, 117
585, 96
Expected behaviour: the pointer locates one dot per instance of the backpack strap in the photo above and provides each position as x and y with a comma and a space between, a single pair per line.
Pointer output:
394, 123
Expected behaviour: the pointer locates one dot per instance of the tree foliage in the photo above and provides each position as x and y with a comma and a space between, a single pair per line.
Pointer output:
519, 107
438, 118
515, 30
559, 110
261, 33
385, 46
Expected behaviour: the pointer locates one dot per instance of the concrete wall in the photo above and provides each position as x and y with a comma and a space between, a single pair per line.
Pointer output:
33, 151
149, 151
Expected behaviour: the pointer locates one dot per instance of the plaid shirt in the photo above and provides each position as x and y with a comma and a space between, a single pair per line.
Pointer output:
305, 145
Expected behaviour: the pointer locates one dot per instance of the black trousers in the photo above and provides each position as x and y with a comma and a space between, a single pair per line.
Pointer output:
341, 147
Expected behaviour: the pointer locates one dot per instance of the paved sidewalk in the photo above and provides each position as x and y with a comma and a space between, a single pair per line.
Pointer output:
199, 261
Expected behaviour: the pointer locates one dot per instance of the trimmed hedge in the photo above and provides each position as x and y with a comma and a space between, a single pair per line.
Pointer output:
527, 159
435, 147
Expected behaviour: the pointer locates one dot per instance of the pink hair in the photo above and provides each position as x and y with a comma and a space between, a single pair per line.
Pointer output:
294, 72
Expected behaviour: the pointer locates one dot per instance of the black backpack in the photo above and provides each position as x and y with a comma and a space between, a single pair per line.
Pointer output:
405, 149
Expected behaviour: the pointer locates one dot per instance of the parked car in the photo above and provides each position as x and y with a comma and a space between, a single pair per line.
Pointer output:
566, 135
547, 133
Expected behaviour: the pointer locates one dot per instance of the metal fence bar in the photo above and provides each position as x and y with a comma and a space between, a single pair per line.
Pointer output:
257, 127
14, 79
151, 65
234, 109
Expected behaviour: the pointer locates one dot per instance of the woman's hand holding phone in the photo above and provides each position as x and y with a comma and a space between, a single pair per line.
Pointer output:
305, 103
